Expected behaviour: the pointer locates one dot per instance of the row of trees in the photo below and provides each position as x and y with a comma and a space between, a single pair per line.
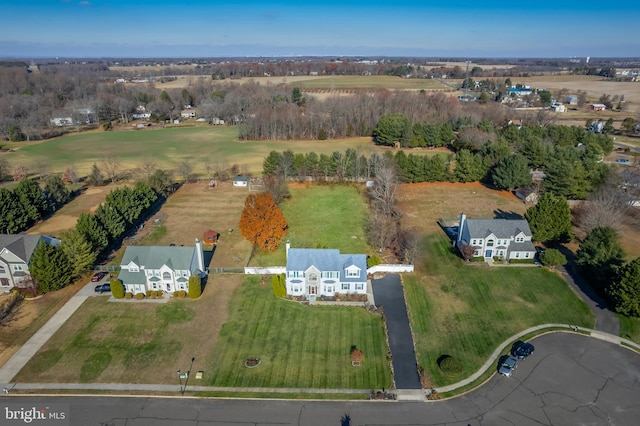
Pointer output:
54, 267
28, 202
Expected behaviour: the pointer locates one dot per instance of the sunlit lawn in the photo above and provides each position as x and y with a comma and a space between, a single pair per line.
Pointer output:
467, 311
299, 346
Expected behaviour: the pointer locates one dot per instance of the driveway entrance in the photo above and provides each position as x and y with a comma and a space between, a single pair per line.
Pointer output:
388, 293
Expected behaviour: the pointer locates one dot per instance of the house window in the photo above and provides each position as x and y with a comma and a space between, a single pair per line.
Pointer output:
2, 271
345, 286
4, 282
517, 254
473, 242
329, 289
313, 277
156, 273
149, 273
489, 243
526, 254
519, 239
154, 285
359, 286
17, 267
166, 276
354, 273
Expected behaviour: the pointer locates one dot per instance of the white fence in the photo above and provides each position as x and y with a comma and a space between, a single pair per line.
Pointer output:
267, 270
393, 268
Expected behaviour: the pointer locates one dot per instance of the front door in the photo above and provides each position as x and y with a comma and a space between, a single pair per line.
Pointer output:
488, 253
313, 290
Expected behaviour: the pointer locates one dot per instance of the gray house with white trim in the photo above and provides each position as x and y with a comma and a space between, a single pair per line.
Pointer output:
324, 272
165, 268
15, 256
504, 238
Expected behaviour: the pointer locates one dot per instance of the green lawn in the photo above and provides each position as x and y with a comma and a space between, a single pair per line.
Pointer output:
467, 311
630, 328
331, 216
299, 346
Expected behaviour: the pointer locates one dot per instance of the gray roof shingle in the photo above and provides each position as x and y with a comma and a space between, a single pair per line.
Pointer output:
301, 259
501, 228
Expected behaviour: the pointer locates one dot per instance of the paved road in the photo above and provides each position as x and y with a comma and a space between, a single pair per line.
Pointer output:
606, 320
571, 379
388, 294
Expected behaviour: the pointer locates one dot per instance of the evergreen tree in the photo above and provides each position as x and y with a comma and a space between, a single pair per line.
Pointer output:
435, 169
271, 163
56, 192
195, 286
49, 268
32, 199
13, 218
93, 232
469, 167
393, 128
78, 252
511, 173
552, 258
600, 253
111, 220
550, 219
624, 289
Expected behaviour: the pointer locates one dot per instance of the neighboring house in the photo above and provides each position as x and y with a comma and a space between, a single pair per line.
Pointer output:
15, 255
62, 121
520, 91
141, 113
529, 195
240, 181
324, 272
558, 107
598, 107
572, 100
505, 238
188, 113
165, 268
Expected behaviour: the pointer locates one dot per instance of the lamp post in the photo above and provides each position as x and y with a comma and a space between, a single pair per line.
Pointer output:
180, 381
188, 374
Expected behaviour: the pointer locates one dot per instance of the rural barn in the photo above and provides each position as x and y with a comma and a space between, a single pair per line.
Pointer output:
210, 236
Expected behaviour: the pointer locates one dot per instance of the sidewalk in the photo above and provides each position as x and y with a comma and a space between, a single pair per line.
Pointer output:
33, 345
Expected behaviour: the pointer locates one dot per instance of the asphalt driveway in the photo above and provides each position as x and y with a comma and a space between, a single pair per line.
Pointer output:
388, 293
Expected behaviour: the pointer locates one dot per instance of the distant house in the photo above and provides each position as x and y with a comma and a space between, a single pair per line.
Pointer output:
572, 100
529, 195
160, 268
504, 238
141, 113
15, 256
520, 91
241, 181
598, 107
324, 272
188, 113
558, 107
62, 121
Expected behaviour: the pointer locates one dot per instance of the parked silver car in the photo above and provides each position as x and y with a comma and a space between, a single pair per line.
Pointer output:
507, 366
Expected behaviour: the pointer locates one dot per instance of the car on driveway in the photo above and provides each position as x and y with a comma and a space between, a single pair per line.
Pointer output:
521, 349
98, 276
507, 366
102, 288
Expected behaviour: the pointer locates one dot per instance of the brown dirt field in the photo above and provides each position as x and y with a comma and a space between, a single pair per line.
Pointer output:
194, 208
423, 204
67, 216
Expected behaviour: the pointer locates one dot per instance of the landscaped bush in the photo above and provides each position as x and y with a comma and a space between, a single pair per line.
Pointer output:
449, 364
128, 295
373, 260
117, 288
180, 294
521, 261
139, 296
477, 259
278, 285
195, 286
151, 294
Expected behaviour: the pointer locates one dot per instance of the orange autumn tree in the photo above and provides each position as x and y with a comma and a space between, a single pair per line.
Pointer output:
262, 221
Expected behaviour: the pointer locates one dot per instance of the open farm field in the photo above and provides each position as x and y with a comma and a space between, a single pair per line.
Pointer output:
467, 310
169, 147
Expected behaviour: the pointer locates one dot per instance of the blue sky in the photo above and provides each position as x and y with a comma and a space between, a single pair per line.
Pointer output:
197, 28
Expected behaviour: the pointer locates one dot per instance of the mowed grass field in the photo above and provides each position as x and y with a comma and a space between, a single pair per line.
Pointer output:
299, 346
168, 148
466, 310
331, 216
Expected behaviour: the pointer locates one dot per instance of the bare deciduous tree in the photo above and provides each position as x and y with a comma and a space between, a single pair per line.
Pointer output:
605, 208
111, 167
185, 169
276, 185
4, 168
146, 168
20, 173
383, 192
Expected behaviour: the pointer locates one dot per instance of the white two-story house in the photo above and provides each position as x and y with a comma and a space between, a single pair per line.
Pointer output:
324, 272
504, 238
165, 268
15, 256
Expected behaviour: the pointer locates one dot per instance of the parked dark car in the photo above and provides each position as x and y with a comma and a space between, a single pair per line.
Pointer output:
98, 276
521, 349
102, 288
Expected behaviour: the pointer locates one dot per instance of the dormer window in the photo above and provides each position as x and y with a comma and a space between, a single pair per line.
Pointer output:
352, 272
519, 239
133, 268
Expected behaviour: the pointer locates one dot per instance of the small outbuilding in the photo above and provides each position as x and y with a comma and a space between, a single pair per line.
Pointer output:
241, 181
210, 236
